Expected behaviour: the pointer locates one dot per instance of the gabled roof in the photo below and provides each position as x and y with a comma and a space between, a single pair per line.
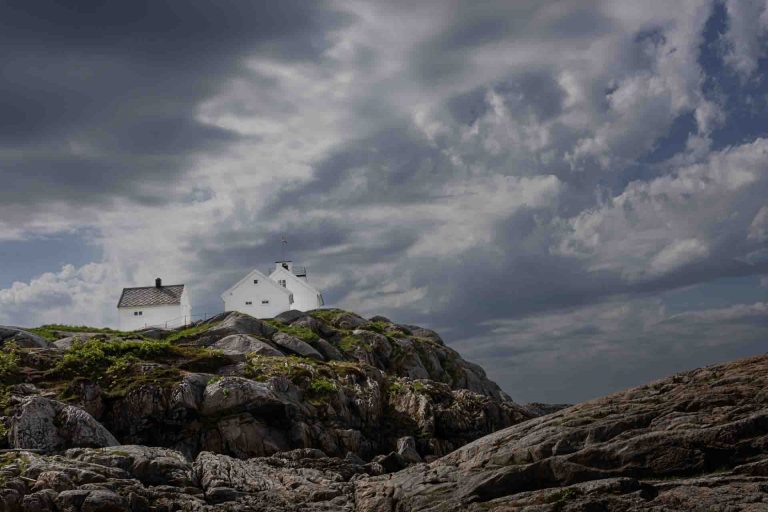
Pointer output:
151, 296
258, 275
294, 279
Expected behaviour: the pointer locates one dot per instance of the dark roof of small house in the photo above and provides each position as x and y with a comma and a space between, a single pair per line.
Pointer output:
151, 296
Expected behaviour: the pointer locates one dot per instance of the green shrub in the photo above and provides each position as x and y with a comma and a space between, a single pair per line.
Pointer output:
93, 357
9, 361
122, 366
322, 386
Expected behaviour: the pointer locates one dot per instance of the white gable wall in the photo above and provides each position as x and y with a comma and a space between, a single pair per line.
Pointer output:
305, 296
277, 298
153, 316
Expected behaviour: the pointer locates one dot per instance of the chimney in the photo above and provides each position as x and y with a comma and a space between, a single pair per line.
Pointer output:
158, 283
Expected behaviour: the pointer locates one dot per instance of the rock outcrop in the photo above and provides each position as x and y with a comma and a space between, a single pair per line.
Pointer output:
22, 338
236, 385
696, 441
49, 426
360, 428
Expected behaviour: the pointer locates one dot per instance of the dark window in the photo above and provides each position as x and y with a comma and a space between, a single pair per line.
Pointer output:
265, 302
248, 303
255, 281
282, 282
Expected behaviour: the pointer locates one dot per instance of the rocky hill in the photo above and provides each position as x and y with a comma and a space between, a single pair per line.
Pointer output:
330, 411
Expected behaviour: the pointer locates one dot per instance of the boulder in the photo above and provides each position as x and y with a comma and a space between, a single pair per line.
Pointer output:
155, 333
296, 346
242, 344
48, 425
329, 352
149, 465
230, 394
22, 338
104, 501
240, 323
406, 448
64, 343
288, 317
349, 321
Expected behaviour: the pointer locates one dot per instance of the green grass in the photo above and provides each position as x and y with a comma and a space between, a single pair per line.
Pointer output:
301, 332
160, 377
187, 332
322, 386
48, 331
320, 389
398, 386
350, 343
327, 315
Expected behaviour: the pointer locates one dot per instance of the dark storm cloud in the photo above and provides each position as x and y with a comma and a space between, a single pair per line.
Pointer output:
394, 165
98, 98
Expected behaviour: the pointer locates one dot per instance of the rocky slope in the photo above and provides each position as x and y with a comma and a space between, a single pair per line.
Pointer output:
222, 428
244, 387
696, 441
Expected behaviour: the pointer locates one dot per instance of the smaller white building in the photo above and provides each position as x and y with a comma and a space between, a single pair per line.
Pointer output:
263, 296
154, 306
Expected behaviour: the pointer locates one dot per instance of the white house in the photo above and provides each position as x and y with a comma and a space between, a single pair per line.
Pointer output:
154, 306
305, 296
264, 296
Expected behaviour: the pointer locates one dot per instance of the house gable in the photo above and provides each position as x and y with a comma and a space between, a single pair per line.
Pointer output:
254, 274
281, 273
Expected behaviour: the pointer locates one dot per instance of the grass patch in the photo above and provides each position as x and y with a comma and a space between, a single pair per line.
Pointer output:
320, 389
120, 386
93, 357
298, 331
296, 369
48, 331
350, 343
100, 359
187, 332
400, 386
326, 315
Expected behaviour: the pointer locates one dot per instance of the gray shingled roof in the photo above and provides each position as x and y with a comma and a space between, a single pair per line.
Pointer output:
151, 296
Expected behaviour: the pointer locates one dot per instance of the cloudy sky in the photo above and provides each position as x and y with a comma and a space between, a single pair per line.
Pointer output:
575, 194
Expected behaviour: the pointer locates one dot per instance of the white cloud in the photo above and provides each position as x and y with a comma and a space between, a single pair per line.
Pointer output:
657, 226
74, 296
746, 35
758, 229
677, 254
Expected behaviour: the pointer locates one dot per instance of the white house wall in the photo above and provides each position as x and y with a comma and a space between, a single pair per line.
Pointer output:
305, 297
153, 316
246, 291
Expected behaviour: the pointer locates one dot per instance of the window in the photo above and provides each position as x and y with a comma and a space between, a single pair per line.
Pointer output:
281, 282
255, 281
265, 302
248, 303
137, 313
